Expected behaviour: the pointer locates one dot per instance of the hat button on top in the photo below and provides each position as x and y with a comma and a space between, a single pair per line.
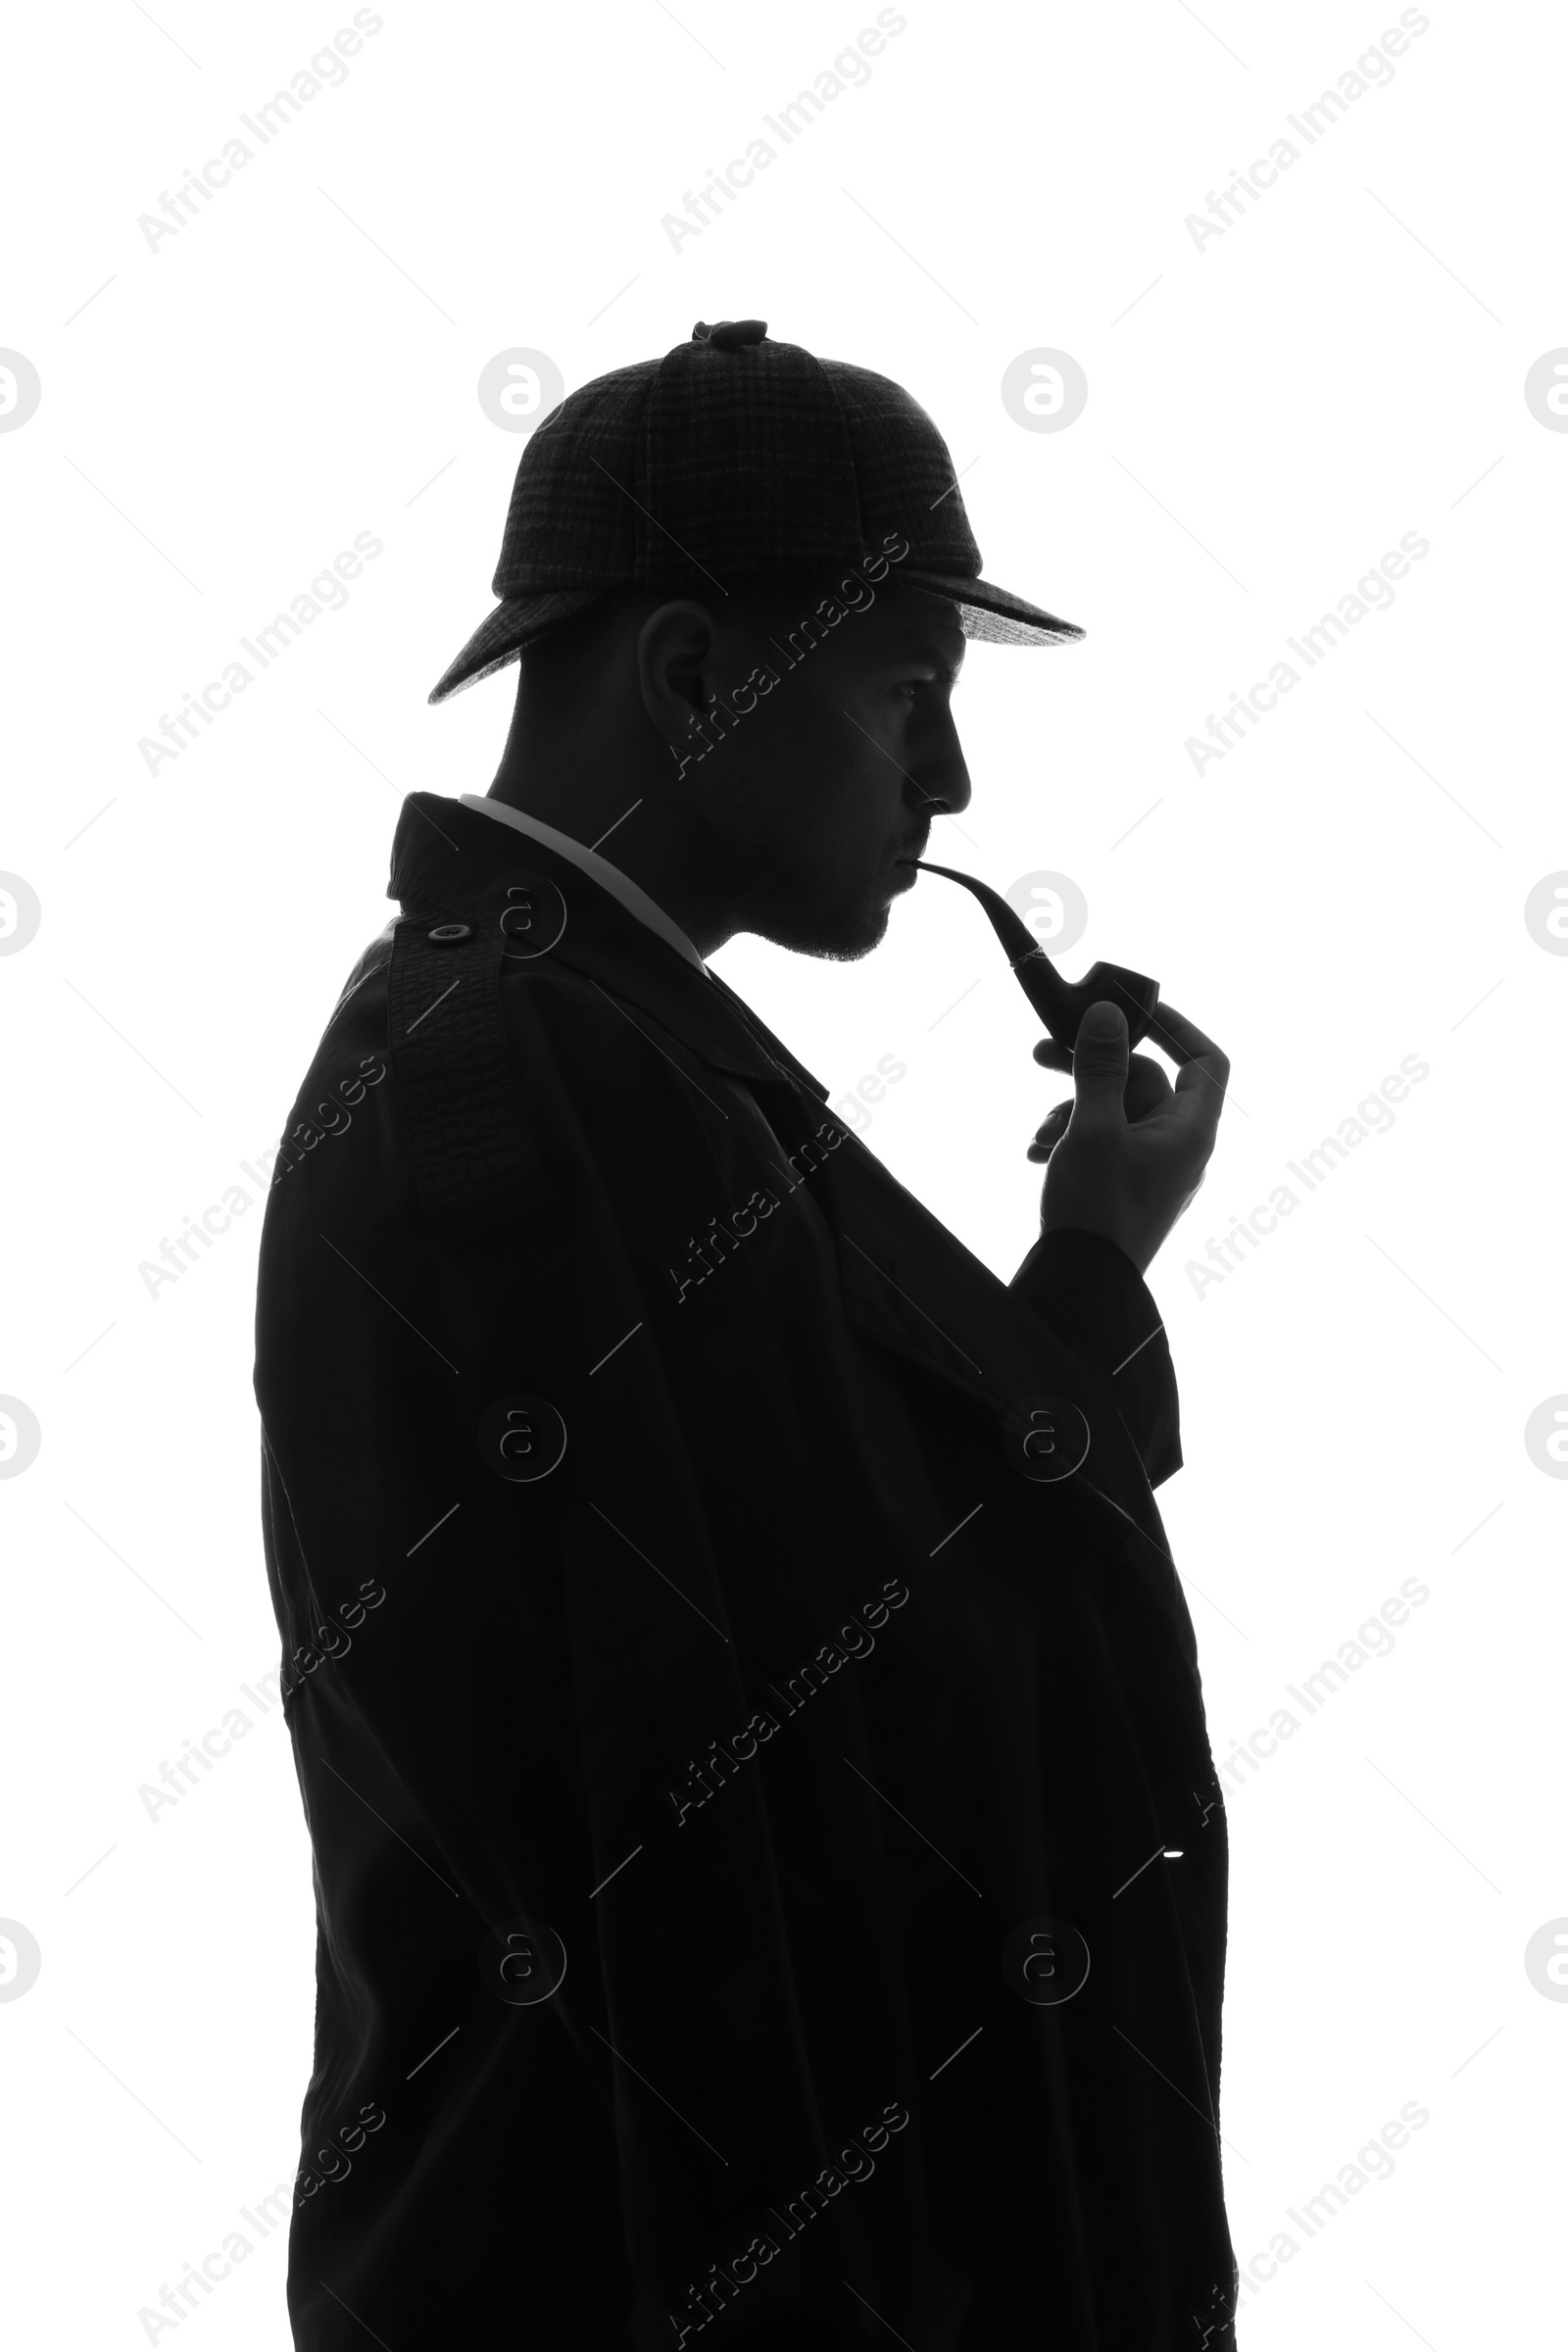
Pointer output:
446, 935
730, 334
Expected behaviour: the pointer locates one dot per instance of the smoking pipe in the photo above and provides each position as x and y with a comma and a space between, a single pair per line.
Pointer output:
1060, 1004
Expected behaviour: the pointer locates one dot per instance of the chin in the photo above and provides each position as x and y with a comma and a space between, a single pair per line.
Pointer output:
846, 938
807, 924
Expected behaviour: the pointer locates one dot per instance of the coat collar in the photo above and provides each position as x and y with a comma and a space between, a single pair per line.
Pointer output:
444, 856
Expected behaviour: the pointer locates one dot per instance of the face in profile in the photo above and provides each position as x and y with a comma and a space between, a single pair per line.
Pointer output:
820, 791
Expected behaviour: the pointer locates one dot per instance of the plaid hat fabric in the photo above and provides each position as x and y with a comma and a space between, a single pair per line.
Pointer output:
731, 463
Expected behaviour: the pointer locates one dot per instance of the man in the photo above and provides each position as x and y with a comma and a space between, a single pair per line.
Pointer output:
769, 1869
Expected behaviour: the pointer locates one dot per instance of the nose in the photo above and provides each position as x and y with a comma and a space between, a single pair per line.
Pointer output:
938, 781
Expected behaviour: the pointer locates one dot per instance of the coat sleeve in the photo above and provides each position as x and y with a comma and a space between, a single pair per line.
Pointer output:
1092, 1297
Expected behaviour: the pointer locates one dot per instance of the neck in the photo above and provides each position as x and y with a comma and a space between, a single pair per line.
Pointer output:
613, 796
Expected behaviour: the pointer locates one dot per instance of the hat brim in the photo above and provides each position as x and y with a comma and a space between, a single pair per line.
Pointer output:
993, 615
502, 635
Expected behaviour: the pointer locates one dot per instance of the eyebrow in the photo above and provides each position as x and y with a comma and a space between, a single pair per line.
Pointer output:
929, 651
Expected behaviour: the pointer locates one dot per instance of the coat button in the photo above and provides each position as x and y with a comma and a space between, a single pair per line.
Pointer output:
446, 935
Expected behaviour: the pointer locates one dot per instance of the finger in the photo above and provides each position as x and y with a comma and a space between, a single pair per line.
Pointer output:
1054, 1123
1203, 1071
1186, 1043
1148, 1087
1050, 1132
1100, 1060
1051, 1056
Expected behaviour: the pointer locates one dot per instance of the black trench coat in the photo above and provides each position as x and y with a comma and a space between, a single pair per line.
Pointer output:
714, 1820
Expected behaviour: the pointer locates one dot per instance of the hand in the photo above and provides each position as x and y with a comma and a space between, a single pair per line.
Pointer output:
1128, 1152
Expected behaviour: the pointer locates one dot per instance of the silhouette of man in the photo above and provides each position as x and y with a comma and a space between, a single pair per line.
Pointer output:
769, 1869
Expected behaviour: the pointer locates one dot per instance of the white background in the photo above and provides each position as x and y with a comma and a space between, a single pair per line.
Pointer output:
1266, 416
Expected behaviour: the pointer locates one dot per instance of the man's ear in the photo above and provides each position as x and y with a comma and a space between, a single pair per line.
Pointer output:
676, 668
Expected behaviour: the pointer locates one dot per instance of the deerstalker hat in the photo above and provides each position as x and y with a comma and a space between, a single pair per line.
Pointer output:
732, 461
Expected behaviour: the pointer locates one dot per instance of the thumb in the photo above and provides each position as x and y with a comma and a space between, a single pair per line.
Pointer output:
1100, 1056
